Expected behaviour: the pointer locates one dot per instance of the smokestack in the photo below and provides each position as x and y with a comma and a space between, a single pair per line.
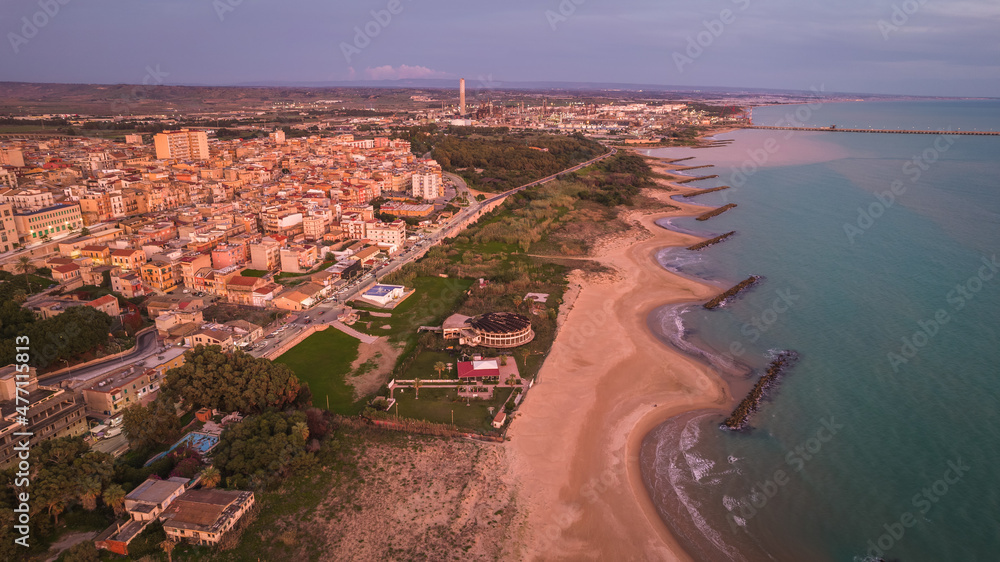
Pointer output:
461, 96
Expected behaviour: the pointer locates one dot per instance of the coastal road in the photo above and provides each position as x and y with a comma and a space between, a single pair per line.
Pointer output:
330, 311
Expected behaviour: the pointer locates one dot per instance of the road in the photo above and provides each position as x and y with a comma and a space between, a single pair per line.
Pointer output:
146, 346
328, 312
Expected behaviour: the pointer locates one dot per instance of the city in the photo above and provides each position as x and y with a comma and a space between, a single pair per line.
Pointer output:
555, 281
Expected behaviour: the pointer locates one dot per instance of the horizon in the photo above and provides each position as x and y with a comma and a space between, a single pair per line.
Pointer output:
912, 49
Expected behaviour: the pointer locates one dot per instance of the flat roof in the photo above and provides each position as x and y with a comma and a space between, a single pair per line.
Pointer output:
381, 290
154, 491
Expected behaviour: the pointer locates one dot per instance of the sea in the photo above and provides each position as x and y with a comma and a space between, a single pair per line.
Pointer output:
879, 257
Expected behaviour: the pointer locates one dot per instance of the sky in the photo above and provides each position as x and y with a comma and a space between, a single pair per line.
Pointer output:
911, 47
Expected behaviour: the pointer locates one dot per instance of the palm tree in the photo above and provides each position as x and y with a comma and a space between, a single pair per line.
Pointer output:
168, 547
55, 507
511, 380
24, 265
114, 496
417, 383
210, 477
517, 302
90, 489
439, 367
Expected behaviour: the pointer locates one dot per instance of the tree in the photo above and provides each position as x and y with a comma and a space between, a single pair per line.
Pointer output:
262, 448
68, 471
210, 477
114, 497
89, 490
168, 547
156, 424
81, 552
439, 367
25, 267
85, 231
236, 381
417, 383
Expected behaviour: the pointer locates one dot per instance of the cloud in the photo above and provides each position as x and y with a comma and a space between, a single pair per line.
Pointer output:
387, 72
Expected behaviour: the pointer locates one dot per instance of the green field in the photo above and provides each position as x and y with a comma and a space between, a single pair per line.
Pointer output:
253, 273
323, 360
437, 405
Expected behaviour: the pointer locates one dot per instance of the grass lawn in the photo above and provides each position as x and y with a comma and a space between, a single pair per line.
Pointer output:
434, 300
437, 404
323, 360
253, 273
423, 366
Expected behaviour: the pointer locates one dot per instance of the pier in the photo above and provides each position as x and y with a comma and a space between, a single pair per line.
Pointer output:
835, 129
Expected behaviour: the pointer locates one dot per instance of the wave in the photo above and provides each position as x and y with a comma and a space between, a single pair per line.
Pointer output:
676, 471
676, 259
670, 327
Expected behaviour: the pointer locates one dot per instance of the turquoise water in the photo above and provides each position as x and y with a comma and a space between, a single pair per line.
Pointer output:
880, 262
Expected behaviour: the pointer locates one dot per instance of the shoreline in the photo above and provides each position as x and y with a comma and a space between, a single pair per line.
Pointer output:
608, 382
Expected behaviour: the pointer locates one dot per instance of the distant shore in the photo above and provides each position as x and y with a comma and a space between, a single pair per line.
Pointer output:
608, 381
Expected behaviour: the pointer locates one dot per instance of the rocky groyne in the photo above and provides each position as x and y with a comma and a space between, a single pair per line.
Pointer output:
707, 243
740, 418
715, 212
732, 292
704, 191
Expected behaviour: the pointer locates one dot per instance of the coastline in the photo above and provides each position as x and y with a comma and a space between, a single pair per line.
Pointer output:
608, 381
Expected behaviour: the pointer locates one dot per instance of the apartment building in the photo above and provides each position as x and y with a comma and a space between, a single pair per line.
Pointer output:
299, 259
51, 412
8, 231
386, 233
12, 157
128, 259
427, 186
127, 285
181, 145
265, 255
119, 389
30, 199
57, 219
315, 226
161, 273
191, 263
228, 255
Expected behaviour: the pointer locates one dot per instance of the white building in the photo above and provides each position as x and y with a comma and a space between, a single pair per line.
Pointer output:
427, 185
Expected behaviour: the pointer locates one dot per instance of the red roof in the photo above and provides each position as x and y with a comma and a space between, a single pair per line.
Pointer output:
106, 299
470, 369
69, 268
124, 253
244, 281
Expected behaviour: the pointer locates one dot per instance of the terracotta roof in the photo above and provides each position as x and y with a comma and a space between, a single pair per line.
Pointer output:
106, 299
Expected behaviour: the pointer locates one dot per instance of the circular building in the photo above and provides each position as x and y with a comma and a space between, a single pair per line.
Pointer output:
502, 329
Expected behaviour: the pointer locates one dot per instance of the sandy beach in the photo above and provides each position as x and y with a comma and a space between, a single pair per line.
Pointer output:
574, 448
